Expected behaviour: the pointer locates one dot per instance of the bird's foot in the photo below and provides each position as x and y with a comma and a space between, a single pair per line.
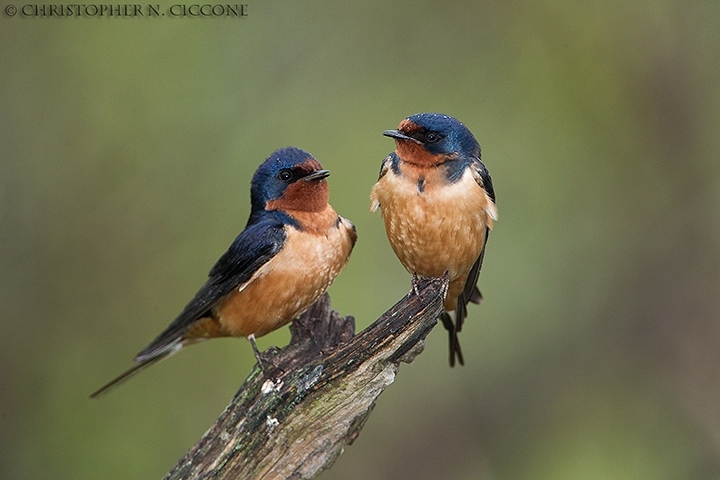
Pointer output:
415, 280
265, 360
446, 279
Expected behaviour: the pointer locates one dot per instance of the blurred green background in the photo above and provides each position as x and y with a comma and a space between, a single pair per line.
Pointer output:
127, 150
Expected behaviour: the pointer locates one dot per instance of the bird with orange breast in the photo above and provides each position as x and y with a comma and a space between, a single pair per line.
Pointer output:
438, 204
291, 250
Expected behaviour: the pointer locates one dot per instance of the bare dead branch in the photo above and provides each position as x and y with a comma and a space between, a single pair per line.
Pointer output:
293, 420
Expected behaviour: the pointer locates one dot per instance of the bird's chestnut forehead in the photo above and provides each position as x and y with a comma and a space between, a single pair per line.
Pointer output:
408, 126
309, 165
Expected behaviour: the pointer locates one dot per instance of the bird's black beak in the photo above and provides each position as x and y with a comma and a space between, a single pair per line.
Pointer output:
399, 136
316, 175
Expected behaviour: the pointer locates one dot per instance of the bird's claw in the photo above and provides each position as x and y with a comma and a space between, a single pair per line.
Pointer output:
414, 282
264, 360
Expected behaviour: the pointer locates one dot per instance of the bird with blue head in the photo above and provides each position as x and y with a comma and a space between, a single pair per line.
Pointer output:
437, 201
291, 250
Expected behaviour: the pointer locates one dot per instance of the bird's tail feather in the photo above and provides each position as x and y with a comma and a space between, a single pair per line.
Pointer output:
455, 351
139, 366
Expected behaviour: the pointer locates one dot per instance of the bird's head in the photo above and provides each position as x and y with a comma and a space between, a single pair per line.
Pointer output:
432, 138
290, 179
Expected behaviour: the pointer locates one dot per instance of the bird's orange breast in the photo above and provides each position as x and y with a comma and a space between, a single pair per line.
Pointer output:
292, 280
437, 228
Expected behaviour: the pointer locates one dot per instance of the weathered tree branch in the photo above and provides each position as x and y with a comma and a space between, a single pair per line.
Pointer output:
293, 422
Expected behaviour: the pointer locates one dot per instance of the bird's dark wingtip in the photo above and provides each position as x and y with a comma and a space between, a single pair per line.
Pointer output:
162, 346
476, 296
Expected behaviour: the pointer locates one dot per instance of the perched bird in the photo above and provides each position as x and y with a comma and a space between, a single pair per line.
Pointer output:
438, 204
292, 248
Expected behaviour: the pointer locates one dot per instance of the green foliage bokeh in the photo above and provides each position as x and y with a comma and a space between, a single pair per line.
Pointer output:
127, 149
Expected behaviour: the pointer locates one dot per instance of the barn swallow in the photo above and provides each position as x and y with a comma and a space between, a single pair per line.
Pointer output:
438, 204
291, 250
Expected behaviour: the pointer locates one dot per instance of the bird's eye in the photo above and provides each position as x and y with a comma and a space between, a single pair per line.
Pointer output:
431, 137
285, 175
